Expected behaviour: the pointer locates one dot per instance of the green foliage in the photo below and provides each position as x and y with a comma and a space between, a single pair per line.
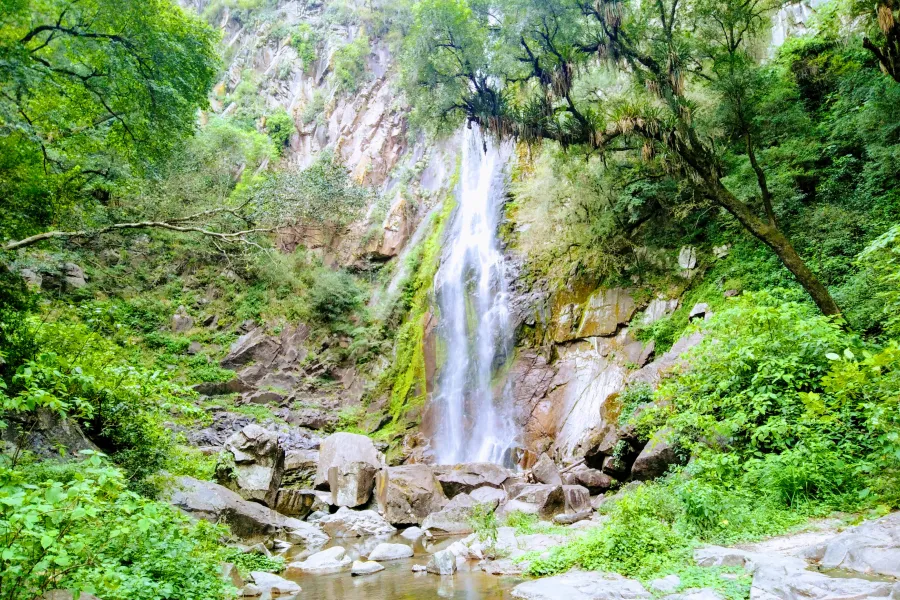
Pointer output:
305, 41
80, 374
280, 127
634, 396
484, 523
93, 92
77, 527
254, 561
349, 64
334, 295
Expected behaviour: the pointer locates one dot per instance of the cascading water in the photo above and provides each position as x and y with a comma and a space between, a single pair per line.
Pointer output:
473, 421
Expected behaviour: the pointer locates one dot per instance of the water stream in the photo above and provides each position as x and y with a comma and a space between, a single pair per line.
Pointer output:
473, 419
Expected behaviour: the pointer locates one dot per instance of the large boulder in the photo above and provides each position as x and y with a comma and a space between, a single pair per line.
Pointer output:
364, 567
442, 562
254, 346
463, 478
540, 499
595, 480
656, 457
488, 495
355, 523
332, 560
581, 585
872, 548
409, 493
295, 503
545, 471
181, 320
249, 521
339, 449
385, 551
273, 585
351, 483
258, 464
300, 468
456, 517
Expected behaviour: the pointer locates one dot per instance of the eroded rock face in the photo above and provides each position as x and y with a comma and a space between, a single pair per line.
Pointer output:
247, 520
872, 548
258, 464
581, 585
407, 494
341, 449
462, 479
295, 503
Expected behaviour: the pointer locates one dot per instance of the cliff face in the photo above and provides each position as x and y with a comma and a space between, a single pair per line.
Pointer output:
365, 126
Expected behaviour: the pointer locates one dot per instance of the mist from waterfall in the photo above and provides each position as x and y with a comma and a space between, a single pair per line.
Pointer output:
473, 419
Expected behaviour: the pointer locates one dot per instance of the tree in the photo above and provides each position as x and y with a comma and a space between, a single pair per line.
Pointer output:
92, 92
680, 86
884, 42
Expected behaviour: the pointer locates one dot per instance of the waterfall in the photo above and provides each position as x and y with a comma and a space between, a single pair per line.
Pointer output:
473, 419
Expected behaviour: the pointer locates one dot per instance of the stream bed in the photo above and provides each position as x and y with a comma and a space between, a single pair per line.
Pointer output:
397, 581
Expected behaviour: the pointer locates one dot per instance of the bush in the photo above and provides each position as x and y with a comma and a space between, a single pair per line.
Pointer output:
280, 127
349, 66
305, 41
334, 295
77, 527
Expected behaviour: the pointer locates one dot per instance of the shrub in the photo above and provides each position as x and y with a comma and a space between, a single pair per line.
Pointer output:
334, 295
77, 527
349, 66
305, 41
280, 127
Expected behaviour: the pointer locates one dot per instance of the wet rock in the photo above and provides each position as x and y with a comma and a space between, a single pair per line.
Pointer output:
251, 590
604, 311
331, 560
258, 464
365, 567
407, 494
581, 585
387, 551
355, 523
181, 321
341, 448
247, 520
231, 574
464, 478
669, 583
412, 533
419, 569
442, 563
269, 583
656, 457
351, 483
545, 471
872, 548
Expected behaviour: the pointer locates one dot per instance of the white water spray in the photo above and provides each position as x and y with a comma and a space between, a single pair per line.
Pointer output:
473, 420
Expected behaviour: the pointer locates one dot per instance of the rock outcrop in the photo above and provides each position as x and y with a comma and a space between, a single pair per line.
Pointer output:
355, 523
332, 560
408, 494
340, 450
872, 548
463, 478
258, 465
247, 520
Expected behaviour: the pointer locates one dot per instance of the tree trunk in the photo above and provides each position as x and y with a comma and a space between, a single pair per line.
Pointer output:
772, 237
